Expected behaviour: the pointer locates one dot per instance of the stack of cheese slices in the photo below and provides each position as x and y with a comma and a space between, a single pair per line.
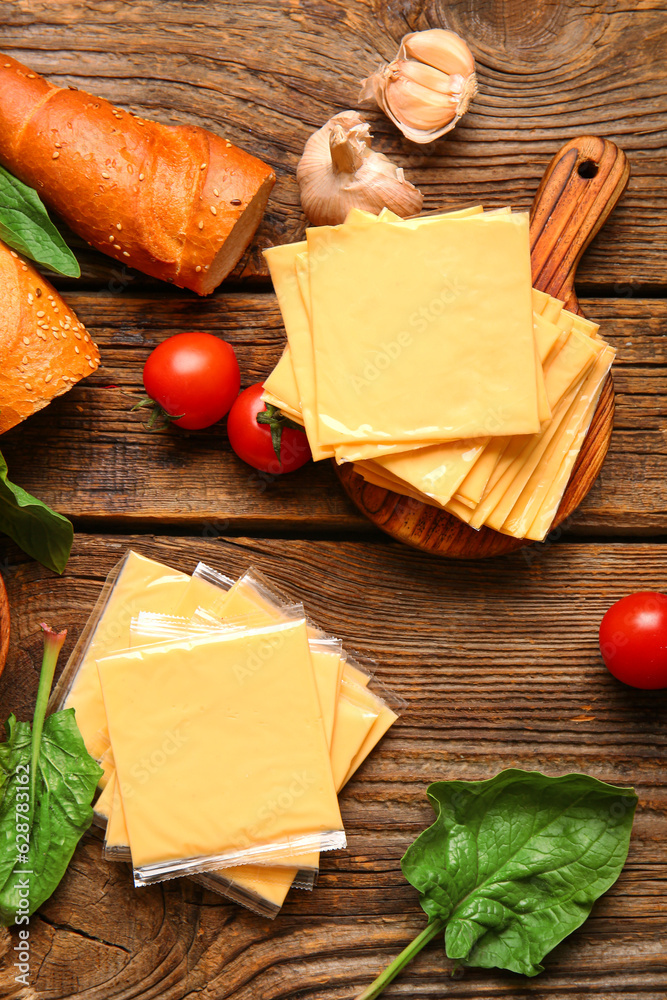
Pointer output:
419, 351
225, 724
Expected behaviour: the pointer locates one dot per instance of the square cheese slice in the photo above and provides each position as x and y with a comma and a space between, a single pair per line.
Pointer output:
423, 333
247, 700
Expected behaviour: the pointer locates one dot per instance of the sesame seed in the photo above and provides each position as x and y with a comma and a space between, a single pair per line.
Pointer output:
198, 267
28, 386
14, 254
235, 201
85, 337
55, 155
26, 341
76, 350
201, 224
24, 360
55, 335
31, 76
38, 292
203, 166
63, 335
77, 335
56, 309
105, 174
40, 313
30, 298
125, 253
111, 239
48, 377
8, 65
59, 145
228, 145
141, 177
42, 336
24, 267
118, 226
214, 210
216, 192
91, 365
87, 356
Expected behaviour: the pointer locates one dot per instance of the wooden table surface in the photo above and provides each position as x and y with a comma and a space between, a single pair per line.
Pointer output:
498, 660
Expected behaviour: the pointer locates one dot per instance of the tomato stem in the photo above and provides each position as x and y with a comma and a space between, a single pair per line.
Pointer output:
277, 422
157, 413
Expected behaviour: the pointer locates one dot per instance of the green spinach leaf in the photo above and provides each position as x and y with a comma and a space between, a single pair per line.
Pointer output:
26, 226
40, 531
512, 865
48, 782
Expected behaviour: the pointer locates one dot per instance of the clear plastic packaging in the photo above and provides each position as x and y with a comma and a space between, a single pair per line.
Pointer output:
135, 583
206, 585
263, 679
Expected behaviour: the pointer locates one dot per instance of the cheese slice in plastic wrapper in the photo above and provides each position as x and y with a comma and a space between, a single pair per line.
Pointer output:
249, 699
135, 583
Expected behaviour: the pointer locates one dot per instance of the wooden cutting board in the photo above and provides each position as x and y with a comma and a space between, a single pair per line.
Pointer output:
579, 189
4, 625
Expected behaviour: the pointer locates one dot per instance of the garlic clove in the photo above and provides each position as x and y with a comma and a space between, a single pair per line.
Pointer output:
431, 67
434, 79
339, 170
442, 49
419, 107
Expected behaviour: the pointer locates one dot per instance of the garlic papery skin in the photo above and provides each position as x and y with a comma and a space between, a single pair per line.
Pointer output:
339, 170
428, 86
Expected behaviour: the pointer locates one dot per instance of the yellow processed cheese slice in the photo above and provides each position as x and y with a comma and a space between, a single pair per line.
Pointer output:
281, 264
280, 388
498, 502
205, 587
568, 366
248, 699
468, 343
108, 767
141, 584
354, 721
565, 354
284, 262
103, 806
542, 494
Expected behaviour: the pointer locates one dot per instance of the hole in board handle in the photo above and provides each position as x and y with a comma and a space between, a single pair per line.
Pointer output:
587, 169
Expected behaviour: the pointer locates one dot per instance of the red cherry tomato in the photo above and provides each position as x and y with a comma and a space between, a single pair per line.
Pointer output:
194, 379
252, 441
633, 640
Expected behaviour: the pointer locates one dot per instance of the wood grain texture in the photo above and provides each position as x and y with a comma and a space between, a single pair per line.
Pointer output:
89, 457
547, 71
499, 664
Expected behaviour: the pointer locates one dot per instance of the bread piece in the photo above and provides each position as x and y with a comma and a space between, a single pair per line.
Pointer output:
44, 349
176, 202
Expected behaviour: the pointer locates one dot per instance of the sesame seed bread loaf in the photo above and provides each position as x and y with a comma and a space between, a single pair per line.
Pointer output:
176, 202
44, 349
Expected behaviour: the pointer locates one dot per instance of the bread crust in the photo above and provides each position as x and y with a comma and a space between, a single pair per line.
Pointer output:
44, 348
160, 198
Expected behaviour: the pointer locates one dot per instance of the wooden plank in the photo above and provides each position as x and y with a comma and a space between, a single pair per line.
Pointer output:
499, 664
90, 457
547, 72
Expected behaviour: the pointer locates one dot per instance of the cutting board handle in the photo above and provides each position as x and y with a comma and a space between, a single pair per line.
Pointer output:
579, 189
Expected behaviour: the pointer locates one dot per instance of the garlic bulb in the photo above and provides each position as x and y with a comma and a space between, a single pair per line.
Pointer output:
427, 87
339, 171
